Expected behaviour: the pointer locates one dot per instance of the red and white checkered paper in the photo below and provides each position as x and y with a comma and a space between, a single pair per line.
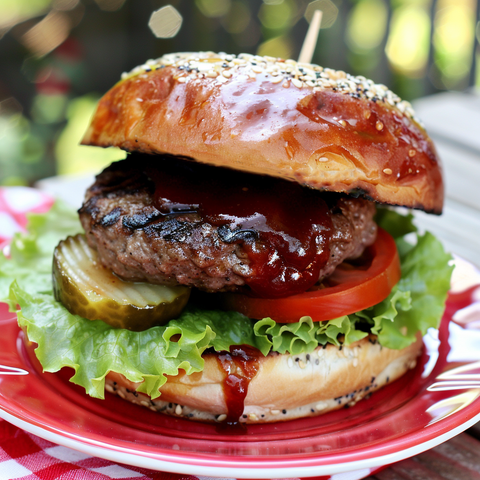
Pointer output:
24, 456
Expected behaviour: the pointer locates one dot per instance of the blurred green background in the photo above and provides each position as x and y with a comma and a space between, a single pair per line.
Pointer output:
58, 56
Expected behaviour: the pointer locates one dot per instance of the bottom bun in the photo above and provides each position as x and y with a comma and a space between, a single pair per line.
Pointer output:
285, 387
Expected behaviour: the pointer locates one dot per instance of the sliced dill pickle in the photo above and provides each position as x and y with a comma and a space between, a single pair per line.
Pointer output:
87, 288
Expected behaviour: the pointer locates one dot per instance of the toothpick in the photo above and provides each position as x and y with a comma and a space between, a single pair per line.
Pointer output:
310, 42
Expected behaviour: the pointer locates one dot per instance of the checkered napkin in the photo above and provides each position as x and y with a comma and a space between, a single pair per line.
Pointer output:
24, 456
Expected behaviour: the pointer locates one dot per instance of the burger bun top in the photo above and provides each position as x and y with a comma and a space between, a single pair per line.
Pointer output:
319, 127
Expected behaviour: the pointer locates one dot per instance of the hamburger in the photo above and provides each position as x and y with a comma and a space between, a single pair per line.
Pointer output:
236, 266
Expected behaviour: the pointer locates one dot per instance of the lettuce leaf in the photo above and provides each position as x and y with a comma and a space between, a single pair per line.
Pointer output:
417, 302
30, 258
92, 348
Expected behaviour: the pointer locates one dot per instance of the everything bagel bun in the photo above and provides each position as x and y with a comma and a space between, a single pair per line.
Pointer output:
319, 127
285, 387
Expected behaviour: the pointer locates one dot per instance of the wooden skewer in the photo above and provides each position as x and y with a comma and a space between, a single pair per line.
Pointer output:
310, 42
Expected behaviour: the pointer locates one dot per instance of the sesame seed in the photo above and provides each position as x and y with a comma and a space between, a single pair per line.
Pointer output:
153, 409
290, 362
109, 388
343, 123
412, 153
302, 364
323, 159
213, 65
252, 416
121, 394
387, 171
221, 417
379, 126
321, 406
178, 410
297, 83
275, 412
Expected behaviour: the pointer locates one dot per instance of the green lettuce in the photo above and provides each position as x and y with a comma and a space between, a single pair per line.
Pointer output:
30, 257
92, 348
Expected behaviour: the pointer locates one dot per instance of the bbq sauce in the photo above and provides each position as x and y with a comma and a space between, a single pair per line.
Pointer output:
284, 228
240, 366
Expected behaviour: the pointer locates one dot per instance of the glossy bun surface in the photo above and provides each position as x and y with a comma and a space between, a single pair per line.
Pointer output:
319, 127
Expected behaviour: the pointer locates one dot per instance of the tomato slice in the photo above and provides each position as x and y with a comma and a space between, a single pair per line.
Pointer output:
352, 287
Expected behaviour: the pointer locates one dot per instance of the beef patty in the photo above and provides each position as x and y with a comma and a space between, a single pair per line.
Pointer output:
139, 243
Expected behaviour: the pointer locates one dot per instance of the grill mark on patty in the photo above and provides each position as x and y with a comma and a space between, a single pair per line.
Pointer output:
141, 220
228, 235
111, 218
170, 230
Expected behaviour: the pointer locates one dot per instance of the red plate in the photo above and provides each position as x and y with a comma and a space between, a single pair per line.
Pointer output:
437, 400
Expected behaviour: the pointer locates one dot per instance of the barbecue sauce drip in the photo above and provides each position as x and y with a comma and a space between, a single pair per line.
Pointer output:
283, 227
240, 366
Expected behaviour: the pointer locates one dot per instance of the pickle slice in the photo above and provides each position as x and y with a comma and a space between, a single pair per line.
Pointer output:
87, 288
